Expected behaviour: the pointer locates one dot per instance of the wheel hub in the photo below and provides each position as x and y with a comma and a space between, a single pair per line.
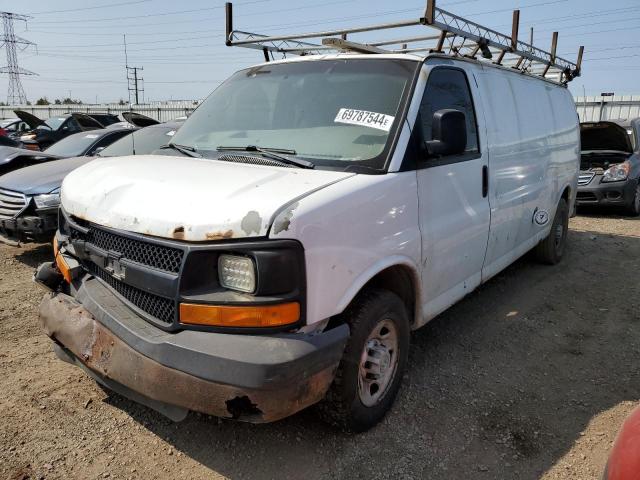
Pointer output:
378, 363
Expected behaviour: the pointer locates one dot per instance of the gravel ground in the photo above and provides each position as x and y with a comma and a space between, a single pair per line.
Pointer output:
529, 377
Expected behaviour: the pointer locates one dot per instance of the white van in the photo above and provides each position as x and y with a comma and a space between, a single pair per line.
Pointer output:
307, 216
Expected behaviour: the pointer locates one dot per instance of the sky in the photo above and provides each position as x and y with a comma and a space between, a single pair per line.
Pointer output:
180, 45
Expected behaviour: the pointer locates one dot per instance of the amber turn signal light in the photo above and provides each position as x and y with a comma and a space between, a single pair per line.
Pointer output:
60, 262
240, 316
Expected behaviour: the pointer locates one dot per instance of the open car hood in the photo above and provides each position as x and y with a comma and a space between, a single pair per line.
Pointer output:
28, 118
138, 119
605, 136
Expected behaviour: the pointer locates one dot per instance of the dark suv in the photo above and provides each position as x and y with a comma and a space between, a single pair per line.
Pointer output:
610, 165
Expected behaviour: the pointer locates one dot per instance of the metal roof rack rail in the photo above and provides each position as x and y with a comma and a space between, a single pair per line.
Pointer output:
457, 37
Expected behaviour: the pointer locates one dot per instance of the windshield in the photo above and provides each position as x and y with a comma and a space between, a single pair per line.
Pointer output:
74, 145
145, 140
53, 123
332, 112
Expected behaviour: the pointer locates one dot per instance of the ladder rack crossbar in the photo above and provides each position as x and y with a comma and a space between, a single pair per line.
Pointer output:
457, 35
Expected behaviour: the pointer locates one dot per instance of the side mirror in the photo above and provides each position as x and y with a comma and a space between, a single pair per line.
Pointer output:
97, 150
448, 133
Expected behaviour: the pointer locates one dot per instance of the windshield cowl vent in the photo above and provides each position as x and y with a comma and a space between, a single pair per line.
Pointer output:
253, 160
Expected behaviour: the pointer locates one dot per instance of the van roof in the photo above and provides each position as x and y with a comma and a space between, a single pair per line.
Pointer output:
345, 56
398, 56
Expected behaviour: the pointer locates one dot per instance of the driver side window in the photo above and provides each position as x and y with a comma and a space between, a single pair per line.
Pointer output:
70, 125
447, 88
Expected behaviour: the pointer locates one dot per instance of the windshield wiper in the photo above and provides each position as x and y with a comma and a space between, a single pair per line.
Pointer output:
272, 153
184, 149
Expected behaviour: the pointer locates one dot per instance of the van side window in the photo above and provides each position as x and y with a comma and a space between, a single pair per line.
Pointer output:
448, 88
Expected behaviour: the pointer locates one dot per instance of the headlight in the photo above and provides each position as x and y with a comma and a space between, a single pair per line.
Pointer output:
237, 273
48, 200
617, 173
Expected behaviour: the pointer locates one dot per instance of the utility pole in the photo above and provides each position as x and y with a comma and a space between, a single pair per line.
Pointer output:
134, 82
11, 42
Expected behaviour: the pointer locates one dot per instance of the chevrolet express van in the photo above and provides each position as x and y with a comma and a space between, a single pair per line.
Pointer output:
306, 218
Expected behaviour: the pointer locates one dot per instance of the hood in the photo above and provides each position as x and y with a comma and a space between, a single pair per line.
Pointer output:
28, 118
138, 119
605, 136
42, 178
184, 198
7, 154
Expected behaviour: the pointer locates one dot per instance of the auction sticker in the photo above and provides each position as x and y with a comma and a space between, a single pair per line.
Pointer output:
363, 118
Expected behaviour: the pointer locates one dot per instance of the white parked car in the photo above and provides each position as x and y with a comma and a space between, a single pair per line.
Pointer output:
308, 215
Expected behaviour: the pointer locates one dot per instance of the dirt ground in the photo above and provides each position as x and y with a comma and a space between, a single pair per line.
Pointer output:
529, 377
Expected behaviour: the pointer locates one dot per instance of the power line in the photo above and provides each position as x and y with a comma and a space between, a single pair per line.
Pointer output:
89, 8
148, 15
281, 26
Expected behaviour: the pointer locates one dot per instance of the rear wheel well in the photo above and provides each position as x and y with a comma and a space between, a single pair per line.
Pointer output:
397, 279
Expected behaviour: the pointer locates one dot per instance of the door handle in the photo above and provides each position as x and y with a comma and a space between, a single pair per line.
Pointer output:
485, 181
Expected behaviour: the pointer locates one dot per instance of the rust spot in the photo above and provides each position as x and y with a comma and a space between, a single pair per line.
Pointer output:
178, 233
219, 235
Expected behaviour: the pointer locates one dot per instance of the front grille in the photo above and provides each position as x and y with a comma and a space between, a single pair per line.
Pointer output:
12, 204
160, 308
155, 308
585, 178
149, 254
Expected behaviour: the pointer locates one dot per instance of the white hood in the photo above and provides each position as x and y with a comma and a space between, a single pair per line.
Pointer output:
186, 198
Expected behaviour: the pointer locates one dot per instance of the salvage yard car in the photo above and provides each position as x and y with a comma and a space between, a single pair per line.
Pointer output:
45, 133
308, 215
610, 166
30, 197
79, 144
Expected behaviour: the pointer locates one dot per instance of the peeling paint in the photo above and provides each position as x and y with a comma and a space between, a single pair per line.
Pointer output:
283, 221
219, 235
178, 233
251, 223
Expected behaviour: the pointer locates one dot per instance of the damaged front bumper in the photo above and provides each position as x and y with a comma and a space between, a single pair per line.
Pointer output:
255, 378
40, 227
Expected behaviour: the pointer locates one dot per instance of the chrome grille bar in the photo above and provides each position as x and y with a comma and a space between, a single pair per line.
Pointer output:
585, 178
12, 204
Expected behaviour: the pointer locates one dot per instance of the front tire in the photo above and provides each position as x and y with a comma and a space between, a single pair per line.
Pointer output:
634, 207
370, 372
551, 249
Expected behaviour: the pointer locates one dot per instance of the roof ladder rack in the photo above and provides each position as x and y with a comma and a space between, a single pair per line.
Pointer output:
457, 37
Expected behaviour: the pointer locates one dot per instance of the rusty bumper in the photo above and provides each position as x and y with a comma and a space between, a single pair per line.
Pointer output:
172, 375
